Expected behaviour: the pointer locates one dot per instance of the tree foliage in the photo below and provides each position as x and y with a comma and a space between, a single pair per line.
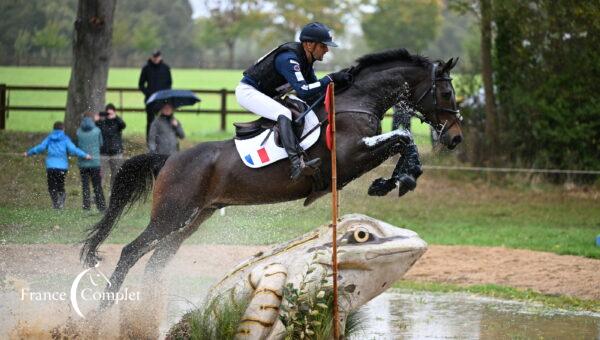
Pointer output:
228, 22
547, 75
289, 16
411, 24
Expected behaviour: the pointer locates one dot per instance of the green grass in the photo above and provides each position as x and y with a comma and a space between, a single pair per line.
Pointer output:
198, 127
442, 210
503, 292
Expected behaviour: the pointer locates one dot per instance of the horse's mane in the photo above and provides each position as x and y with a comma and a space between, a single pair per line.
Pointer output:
400, 54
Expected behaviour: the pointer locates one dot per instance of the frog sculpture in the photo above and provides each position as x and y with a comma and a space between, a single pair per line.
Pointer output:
372, 255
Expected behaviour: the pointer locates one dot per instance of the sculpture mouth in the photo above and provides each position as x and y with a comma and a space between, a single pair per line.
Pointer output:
353, 266
373, 255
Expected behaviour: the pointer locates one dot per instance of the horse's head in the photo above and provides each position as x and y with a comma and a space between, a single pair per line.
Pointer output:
436, 100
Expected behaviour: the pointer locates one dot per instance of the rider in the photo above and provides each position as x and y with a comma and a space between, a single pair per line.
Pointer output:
287, 67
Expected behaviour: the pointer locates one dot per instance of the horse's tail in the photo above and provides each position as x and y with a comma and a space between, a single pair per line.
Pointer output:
133, 181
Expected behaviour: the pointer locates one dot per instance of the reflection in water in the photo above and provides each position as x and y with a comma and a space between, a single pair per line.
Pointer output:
418, 315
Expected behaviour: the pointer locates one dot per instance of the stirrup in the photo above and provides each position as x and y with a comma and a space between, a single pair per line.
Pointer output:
305, 168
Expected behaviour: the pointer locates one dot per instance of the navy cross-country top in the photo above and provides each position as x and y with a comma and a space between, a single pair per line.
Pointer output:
288, 66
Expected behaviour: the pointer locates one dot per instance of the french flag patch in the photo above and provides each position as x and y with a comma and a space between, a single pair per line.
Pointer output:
263, 156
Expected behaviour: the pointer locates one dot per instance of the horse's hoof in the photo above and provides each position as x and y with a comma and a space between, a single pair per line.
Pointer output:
381, 187
406, 183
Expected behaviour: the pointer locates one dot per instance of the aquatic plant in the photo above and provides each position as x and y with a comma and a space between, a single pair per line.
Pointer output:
218, 319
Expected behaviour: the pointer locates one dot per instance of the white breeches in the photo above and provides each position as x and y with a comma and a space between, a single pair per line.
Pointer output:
257, 102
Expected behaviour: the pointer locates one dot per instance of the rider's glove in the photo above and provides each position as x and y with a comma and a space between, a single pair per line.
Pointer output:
340, 78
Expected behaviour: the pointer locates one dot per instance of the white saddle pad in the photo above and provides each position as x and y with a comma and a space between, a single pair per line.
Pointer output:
256, 154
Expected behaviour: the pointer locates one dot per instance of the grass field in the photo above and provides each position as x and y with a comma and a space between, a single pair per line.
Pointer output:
456, 209
198, 127
443, 210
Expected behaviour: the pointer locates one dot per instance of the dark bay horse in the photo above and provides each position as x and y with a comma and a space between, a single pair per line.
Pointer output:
190, 185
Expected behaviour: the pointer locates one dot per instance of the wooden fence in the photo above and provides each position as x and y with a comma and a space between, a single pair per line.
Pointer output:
6, 107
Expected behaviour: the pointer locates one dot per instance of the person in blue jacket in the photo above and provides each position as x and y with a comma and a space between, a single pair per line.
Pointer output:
89, 139
289, 67
58, 146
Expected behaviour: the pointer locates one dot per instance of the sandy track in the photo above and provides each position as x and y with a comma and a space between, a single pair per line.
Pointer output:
543, 272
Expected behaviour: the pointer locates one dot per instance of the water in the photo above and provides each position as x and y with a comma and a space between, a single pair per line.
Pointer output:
422, 315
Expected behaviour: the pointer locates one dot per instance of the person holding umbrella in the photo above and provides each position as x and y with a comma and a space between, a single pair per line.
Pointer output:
165, 130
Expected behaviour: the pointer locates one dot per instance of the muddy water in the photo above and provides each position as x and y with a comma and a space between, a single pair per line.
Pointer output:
420, 315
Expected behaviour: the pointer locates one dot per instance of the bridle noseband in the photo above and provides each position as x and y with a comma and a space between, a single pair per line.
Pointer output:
439, 127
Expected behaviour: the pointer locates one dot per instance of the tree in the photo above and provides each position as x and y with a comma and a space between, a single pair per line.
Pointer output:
483, 11
547, 71
146, 36
51, 40
228, 21
92, 39
22, 46
411, 24
17, 16
289, 16
156, 24
492, 126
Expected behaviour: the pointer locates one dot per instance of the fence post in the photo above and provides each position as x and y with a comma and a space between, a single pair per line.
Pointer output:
223, 109
2, 106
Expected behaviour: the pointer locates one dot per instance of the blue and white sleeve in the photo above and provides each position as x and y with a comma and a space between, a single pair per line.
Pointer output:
288, 66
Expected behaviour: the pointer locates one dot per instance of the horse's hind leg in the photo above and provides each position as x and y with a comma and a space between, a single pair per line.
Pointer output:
130, 254
167, 248
143, 320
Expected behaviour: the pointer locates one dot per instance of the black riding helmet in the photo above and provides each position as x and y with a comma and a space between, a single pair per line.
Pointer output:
317, 32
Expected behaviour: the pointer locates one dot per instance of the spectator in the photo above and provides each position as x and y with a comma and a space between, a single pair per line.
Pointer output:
89, 139
111, 152
58, 146
164, 132
155, 76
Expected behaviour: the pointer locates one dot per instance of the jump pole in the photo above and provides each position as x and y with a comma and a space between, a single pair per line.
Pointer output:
334, 215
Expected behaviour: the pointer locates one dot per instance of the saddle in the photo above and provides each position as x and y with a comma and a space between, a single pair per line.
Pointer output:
247, 130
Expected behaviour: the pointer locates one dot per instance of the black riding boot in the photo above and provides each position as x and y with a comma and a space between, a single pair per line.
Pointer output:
407, 170
294, 151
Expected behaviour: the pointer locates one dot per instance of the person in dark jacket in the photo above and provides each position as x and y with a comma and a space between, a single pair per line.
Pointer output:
164, 132
289, 67
89, 139
58, 146
111, 152
155, 76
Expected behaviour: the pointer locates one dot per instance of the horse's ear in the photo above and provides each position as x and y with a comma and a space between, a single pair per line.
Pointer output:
449, 65
454, 63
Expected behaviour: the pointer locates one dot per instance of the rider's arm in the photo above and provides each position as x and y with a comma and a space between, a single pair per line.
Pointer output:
288, 66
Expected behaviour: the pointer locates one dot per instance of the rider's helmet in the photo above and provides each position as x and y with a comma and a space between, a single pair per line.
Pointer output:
317, 32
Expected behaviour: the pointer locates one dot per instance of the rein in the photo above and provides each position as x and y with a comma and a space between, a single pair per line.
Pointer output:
321, 122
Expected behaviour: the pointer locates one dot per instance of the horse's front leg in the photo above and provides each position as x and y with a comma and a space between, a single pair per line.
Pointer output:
405, 174
372, 151
393, 140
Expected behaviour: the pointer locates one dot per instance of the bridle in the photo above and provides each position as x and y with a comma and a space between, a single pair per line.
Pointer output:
437, 125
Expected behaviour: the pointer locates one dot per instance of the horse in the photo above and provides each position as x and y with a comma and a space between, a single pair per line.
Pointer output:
191, 185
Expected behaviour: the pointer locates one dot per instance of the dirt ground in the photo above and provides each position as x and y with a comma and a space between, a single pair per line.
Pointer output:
464, 265
53, 267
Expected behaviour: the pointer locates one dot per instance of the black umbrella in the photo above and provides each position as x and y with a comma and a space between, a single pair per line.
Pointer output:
176, 98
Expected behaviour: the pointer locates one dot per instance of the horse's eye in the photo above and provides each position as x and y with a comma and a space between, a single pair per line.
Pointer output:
361, 235
447, 94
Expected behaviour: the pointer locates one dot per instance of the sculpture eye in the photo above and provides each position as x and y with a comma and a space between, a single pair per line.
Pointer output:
361, 235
